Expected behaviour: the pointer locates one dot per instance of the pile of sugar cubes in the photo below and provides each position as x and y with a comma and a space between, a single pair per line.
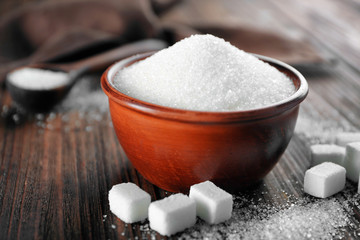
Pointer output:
174, 213
332, 164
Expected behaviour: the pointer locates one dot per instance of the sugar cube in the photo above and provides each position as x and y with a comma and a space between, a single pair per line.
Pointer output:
129, 202
213, 204
327, 153
342, 139
324, 179
352, 161
172, 214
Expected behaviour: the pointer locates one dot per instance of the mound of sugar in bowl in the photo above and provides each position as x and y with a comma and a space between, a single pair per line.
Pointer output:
204, 73
129, 202
213, 204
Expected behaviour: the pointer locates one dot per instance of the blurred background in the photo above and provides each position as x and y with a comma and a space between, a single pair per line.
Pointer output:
56, 168
40, 31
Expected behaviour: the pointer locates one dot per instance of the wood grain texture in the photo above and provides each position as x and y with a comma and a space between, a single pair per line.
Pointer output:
54, 180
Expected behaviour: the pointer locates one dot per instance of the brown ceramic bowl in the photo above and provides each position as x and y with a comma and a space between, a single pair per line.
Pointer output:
174, 148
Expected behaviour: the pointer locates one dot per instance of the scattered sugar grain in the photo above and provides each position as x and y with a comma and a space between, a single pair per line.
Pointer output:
85, 97
51, 116
65, 118
322, 219
40, 116
88, 101
204, 73
38, 79
88, 128
313, 221
16, 118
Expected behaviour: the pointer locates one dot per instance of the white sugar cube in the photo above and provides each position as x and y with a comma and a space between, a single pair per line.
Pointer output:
344, 138
213, 204
352, 161
327, 153
172, 214
129, 202
324, 180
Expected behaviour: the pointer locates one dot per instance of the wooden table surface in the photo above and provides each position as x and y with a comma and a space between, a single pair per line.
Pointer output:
56, 169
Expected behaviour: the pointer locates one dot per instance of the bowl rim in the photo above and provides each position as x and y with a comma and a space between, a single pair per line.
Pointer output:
202, 116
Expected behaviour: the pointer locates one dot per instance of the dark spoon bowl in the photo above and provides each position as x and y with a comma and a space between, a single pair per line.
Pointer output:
175, 148
40, 100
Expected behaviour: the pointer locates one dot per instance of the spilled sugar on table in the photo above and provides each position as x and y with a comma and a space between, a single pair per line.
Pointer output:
56, 168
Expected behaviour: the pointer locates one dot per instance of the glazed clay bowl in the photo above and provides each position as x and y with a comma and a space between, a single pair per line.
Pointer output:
174, 148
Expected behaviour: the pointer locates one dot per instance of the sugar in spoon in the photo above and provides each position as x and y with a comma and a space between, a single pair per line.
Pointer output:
42, 97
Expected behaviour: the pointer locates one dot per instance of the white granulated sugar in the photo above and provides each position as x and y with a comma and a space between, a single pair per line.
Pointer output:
311, 221
38, 79
85, 96
303, 219
204, 73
